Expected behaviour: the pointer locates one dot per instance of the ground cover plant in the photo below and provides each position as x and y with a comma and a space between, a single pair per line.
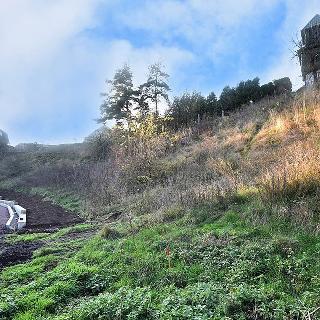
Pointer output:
218, 220
221, 268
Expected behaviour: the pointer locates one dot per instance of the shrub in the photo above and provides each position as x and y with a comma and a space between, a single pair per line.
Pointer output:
172, 214
108, 233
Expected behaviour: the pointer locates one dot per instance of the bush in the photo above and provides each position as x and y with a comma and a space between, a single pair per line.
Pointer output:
108, 233
283, 85
173, 214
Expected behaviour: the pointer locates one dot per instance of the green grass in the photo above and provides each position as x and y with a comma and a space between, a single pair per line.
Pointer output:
66, 200
73, 229
30, 237
220, 268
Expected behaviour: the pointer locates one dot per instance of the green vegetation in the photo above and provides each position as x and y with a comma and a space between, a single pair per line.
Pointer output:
29, 237
222, 268
196, 216
122, 98
127, 104
64, 199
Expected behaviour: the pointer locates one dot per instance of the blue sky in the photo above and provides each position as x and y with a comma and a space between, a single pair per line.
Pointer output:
56, 54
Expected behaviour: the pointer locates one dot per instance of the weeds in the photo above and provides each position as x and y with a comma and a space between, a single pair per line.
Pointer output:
108, 233
220, 268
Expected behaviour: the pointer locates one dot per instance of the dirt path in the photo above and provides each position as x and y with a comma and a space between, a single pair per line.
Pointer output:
11, 254
40, 213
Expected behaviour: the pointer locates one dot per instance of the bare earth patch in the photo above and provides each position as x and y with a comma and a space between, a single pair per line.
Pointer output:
41, 213
41, 216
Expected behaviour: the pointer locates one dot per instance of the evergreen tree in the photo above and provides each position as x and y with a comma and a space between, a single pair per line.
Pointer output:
186, 109
212, 106
247, 91
198, 106
283, 85
119, 100
142, 103
156, 87
228, 99
267, 90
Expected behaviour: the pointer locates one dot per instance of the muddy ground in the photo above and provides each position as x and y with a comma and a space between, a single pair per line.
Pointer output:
40, 213
42, 216
16, 253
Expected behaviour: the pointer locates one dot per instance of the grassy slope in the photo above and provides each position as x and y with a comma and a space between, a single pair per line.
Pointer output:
241, 260
222, 268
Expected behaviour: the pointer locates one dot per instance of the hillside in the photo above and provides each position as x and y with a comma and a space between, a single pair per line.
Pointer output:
218, 220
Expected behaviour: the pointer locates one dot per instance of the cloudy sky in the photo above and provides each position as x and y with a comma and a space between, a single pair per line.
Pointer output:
56, 54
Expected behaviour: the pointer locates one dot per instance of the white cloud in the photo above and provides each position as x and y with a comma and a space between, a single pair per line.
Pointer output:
51, 71
210, 26
31, 29
32, 34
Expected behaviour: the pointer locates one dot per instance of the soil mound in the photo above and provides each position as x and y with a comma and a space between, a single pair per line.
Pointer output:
41, 213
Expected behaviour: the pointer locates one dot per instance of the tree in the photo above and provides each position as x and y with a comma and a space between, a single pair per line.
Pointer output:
267, 90
283, 85
213, 108
228, 99
142, 104
100, 143
156, 87
4, 140
177, 112
198, 105
186, 109
119, 100
243, 93
247, 91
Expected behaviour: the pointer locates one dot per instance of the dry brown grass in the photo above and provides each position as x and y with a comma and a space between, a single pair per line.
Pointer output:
271, 146
297, 175
300, 119
216, 167
289, 157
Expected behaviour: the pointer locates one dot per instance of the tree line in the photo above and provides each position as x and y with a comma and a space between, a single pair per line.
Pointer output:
126, 103
190, 107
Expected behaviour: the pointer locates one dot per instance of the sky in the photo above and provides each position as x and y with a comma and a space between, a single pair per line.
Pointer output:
55, 55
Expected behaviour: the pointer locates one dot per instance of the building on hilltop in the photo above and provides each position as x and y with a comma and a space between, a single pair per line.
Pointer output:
309, 52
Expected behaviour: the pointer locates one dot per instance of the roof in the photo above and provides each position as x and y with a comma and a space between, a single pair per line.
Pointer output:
315, 21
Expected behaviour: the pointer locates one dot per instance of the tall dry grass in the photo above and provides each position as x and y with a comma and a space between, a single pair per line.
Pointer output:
289, 184
298, 175
271, 146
